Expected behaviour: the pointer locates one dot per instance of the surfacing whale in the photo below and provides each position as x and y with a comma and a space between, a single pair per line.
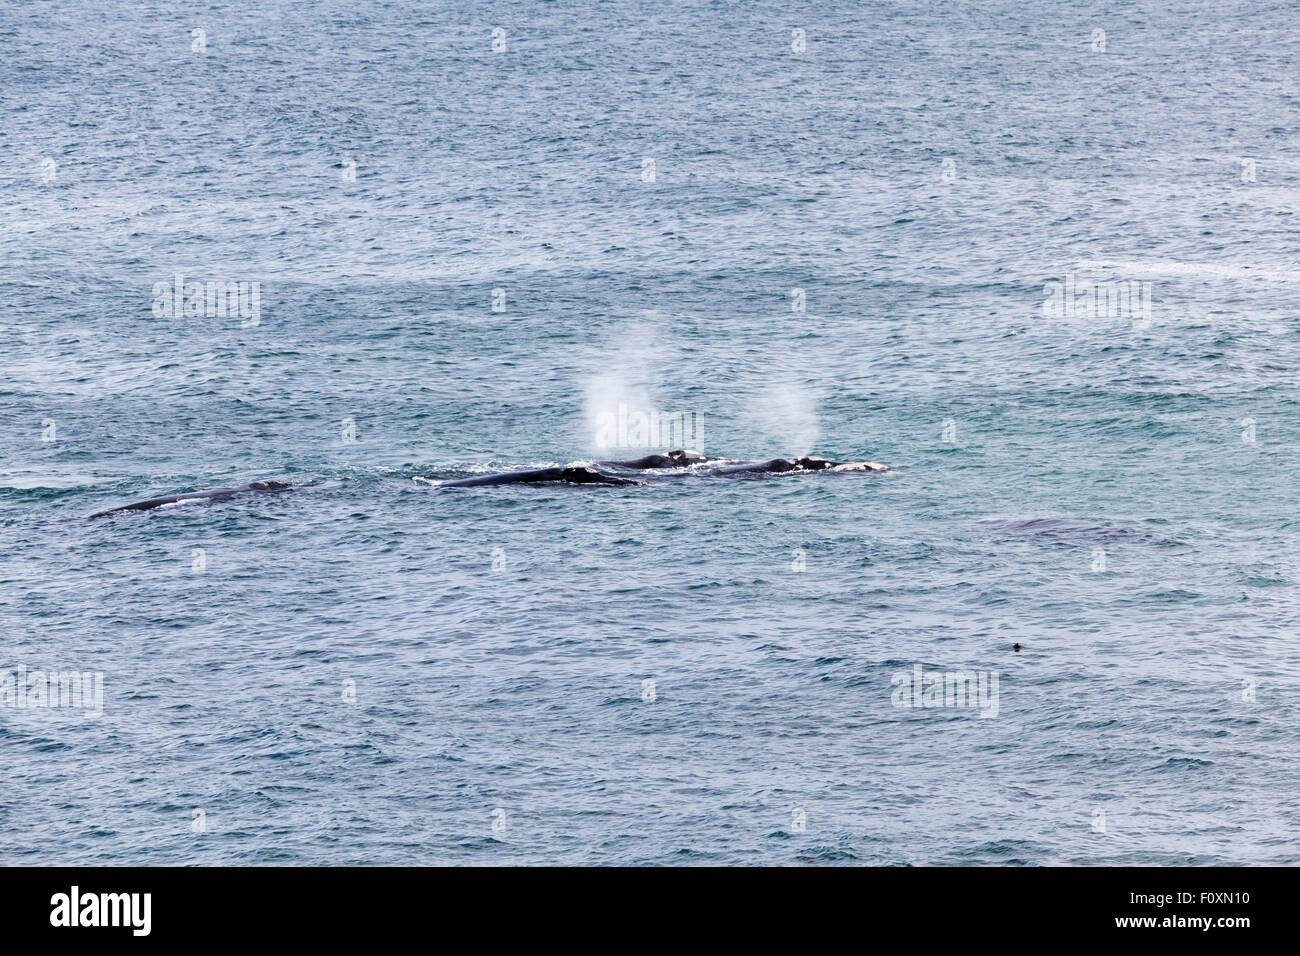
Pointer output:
725, 468
681, 458
778, 466
212, 494
570, 475
580, 475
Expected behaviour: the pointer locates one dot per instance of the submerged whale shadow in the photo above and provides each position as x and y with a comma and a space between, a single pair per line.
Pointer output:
1063, 529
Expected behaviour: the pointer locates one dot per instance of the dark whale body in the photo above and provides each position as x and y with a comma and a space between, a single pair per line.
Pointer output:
669, 459
213, 494
569, 476
777, 466
726, 468
573, 475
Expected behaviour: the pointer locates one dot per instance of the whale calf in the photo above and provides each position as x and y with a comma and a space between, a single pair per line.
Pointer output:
212, 494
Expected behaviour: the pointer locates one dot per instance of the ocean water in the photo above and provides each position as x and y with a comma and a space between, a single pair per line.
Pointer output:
827, 228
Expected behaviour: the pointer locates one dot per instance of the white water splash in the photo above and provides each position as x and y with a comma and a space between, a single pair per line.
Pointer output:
784, 414
623, 376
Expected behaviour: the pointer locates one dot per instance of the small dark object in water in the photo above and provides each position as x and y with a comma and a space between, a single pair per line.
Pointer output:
1015, 647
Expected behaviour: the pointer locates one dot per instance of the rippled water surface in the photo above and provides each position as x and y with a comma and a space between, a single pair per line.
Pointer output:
618, 208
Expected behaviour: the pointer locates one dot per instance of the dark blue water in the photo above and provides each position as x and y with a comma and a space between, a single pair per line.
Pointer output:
374, 670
